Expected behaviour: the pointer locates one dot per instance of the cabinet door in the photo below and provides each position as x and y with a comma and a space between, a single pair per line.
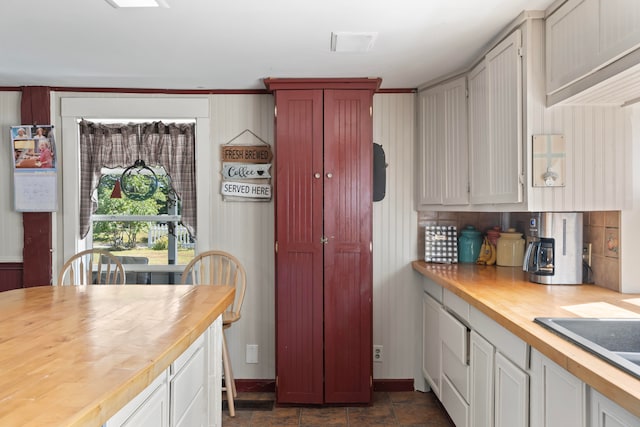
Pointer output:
455, 144
150, 408
571, 37
583, 36
504, 95
557, 397
430, 132
188, 385
479, 148
299, 258
511, 394
431, 342
605, 413
443, 169
481, 364
348, 206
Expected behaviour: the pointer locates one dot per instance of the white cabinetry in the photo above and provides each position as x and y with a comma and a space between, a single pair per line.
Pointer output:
442, 145
455, 368
511, 394
499, 381
583, 36
495, 124
605, 413
431, 343
150, 408
184, 394
557, 397
482, 355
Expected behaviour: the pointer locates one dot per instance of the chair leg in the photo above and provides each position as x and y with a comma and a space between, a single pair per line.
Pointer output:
230, 386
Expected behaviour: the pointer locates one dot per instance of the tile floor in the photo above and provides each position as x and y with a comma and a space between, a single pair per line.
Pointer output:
389, 409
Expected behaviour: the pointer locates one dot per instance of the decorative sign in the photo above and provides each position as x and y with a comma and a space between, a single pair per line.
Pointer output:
246, 168
245, 171
242, 189
247, 153
549, 160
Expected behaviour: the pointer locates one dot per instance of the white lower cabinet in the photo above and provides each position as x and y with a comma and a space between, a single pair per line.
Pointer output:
186, 394
558, 399
482, 355
431, 343
150, 408
187, 387
455, 368
511, 394
605, 413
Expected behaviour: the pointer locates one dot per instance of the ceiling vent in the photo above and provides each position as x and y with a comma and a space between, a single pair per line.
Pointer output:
137, 3
352, 42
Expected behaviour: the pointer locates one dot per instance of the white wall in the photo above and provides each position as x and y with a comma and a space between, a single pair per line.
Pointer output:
630, 218
11, 230
397, 289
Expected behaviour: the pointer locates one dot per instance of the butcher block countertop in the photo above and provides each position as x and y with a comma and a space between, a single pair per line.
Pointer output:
505, 295
74, 355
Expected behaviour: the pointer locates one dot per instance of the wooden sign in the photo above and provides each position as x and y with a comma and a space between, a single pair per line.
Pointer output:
245, 171
247, 153
242, 189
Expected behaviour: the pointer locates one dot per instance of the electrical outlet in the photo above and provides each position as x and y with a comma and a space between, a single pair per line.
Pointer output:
252, 353
586, 253
377, 353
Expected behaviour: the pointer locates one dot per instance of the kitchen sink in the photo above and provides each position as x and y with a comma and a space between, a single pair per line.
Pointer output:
617, 341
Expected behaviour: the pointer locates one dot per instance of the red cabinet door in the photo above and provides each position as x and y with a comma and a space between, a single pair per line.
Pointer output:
299, 258
348, 182
323, 198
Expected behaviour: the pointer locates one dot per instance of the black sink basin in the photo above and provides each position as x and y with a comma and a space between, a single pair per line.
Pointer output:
615, 340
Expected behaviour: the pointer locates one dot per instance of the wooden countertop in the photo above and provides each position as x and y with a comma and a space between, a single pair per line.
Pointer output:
506, 295
73, 356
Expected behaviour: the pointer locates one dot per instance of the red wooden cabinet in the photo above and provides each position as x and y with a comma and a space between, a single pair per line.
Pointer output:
323, 202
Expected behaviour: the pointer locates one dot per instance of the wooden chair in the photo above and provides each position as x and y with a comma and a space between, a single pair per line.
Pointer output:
221, 268
78, 270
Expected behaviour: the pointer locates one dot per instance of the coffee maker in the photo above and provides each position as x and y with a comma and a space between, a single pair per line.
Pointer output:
554, 248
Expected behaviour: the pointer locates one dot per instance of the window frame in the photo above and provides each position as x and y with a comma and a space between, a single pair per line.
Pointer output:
126, 108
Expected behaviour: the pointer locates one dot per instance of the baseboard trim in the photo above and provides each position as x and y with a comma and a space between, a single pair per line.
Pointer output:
256, 386
269, 386
393, 385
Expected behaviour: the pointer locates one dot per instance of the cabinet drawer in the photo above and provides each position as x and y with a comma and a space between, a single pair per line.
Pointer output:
456, 304
455, 405
188, 353
456, 372
433, 289
504, 341
455, 336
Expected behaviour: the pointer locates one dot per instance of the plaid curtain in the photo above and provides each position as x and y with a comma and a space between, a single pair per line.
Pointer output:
171, 146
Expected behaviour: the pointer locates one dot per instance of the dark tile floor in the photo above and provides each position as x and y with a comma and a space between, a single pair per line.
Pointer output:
388, 409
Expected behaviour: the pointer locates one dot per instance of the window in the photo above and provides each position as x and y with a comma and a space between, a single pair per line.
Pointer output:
145, 231
70, 237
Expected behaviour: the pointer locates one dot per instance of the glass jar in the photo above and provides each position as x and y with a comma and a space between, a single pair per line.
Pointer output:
469, 244
510, 249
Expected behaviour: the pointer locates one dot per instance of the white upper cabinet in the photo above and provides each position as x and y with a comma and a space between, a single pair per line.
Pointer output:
495, 124
443, 177
583, 37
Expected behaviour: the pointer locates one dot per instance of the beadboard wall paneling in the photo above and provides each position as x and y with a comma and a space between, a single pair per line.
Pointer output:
396, 289
598, 158
245, 229
11, 224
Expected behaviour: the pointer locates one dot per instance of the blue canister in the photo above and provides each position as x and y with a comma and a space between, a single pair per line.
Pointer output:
469, 244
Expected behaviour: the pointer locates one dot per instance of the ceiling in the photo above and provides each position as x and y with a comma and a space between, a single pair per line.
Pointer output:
234, 44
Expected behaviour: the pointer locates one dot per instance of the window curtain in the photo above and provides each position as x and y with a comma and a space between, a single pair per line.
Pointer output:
171, 146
